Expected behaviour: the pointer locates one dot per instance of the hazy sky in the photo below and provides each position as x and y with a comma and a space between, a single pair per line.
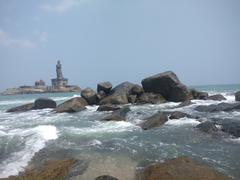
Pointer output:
119, 40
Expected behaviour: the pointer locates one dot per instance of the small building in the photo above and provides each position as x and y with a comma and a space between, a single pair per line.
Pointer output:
39, 83
60, 81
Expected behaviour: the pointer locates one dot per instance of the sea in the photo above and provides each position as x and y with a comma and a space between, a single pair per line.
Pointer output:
116, 148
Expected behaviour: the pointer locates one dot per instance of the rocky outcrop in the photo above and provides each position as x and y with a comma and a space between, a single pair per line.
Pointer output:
218, 107
90, 96
104, 86
199, 95
217, 97
22, 108
154, 121
237, 96
137, 90
231, 127
150, 98
118, 115
108, 107
181, 168
168, 85
73, 105
105, 177
208, 127
42, 103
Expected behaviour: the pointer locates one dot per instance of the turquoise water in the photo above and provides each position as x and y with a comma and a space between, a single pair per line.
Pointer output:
119, 147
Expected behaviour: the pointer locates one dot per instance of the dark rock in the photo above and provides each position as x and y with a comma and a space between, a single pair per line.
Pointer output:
237, 96
217, 97
73, 105
150, 98
132, 99
105, 177
105, 87
185, 103
207, 126
90, 96
181, 168
199, 95
22, 108
232, 127
101, 95
154, 121
218, 107
108, 107
178, 115
42, 103
168, 85
119, 95
137, 90
118, 115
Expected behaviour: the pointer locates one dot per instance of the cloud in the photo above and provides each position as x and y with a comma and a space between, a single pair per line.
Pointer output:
7, 40
43, 37
61, 6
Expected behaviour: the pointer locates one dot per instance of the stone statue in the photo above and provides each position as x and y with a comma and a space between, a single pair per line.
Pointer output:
59, 70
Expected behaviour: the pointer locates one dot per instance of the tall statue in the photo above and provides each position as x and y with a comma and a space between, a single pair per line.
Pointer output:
59, 70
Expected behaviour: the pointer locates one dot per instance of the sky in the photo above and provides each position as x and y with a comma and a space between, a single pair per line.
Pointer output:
119, 40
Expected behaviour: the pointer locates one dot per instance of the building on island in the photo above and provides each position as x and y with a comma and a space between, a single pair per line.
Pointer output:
60, 81
39, 83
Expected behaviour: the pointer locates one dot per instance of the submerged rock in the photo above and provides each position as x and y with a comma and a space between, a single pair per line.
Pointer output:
22, 108
118, 115
181, 168
199, 95
208, 127
154, 121
218, 107
73, 105
168, 85
178, 115
90, 96
217, 97
150, 98
105, 177
237, 96
232, 128
108, 107
42, 103
185, 103
104, 86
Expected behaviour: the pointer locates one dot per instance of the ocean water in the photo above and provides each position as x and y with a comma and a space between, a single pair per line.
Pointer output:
115, 148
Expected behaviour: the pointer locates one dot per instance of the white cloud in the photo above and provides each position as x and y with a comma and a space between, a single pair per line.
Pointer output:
7, 40
61, 6
43, 37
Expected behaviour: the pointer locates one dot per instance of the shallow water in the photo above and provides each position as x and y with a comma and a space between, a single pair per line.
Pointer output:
111, 146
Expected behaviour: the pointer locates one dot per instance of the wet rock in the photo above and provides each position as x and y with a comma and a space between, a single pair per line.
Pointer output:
105, 177
218, 107
232, 128
105, 87
132, 99
22, 108
154, 121
208, 127
178, 115
90, 96
199, 95
101, 95
108, 107
73, 105
217, 97
185, 103
237, 96
181, 168
137, 90
42, 103
150, 98
168, 85
118, 115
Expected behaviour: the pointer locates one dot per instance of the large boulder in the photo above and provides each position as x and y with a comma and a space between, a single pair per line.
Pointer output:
22, 108
168, 85
218, 107
137, 90
199, 94
181, 168
119, 94
42, 103
90, 96
237, 96
154, 121
73, 105
217, 97
118, 115
150, 98
208, 127
178, 115
104, 86
108, 107
231, 127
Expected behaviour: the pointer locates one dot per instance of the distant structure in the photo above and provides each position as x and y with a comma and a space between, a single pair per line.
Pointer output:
60, 81
39, 83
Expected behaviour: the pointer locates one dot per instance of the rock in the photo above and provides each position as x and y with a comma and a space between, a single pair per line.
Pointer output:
108, 107
73, 105
207, 126
118, 115
105, 87
237, 96
118, 95
22, 108
232, 128
218, 107
105, 177
154, 121
185, 103
137, 90
168, 85
217, 97
42, 103
101, 95
199, 95
90, 96
132, 99
181, 168
178, 115
150, 98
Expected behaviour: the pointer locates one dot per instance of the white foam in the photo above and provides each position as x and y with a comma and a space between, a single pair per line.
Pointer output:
182, 121
36, 139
